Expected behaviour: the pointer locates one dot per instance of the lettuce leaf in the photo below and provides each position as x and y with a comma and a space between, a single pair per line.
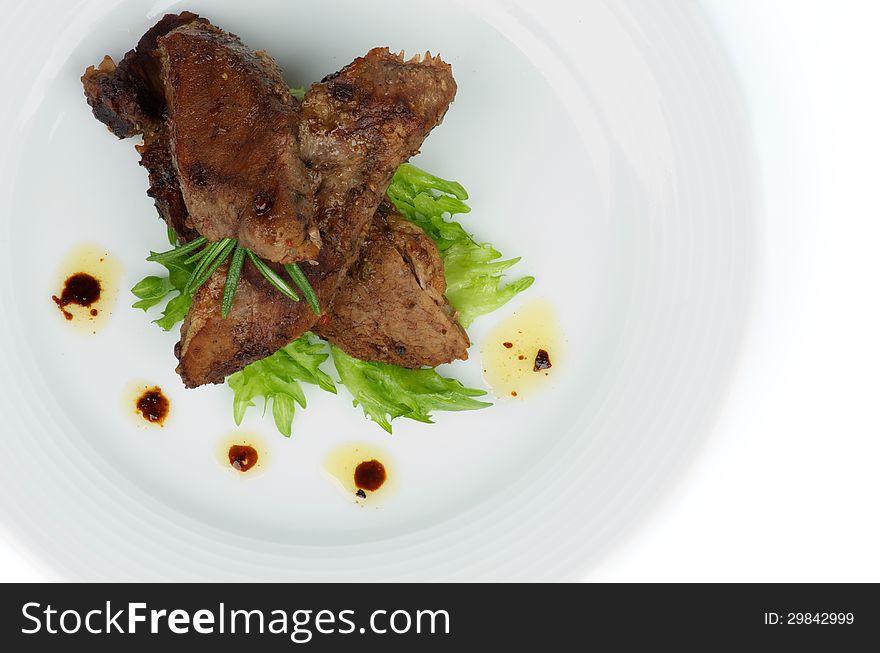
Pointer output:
473, 270
386, 392
152, 290
277, 378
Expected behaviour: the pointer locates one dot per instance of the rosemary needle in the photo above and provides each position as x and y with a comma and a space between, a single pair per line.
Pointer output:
232, 275
177, 252
279, 283
303, 284
207, 253
198, 255
212, 260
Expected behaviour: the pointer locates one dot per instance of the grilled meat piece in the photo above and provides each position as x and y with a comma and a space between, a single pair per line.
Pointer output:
233, 140
270, 210
391, 307
355, 128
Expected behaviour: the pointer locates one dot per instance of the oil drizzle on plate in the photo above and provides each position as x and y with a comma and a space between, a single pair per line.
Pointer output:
87, 287
364, 472
520, 355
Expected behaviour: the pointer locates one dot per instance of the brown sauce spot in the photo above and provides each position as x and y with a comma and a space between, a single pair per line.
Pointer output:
513, 394
153, 405
542, 360
262, 203
509, 345
93, 312
369, 475
242, 457
81, 289
521, 357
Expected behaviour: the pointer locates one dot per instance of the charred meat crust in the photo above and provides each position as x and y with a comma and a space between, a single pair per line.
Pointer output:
164, 187
130, 98
354, 130
232, 120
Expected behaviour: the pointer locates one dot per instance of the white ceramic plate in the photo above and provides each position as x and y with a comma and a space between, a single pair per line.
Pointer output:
604, 142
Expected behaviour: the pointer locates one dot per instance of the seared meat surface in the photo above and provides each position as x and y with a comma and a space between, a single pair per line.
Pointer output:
391, 306
232, 127
355, 128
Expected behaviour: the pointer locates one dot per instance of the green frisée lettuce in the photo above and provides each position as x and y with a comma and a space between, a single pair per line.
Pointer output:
277, 379
474, 271
386, 392
153, 290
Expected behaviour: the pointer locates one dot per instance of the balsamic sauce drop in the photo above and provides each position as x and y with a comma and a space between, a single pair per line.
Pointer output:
369, 475
242, 457
542, 360
81, 289
153, 405
262, 203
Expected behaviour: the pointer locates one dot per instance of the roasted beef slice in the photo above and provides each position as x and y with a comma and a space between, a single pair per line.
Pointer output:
233, 133
391, 308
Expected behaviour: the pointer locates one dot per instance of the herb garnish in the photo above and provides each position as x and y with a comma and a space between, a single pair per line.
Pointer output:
200, 264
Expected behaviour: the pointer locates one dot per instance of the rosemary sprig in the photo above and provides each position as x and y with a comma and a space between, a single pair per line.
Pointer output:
219, 259
177, 252
210, 249
195, 257
208, 264
303, 284
279, 283
232, 275
213, 254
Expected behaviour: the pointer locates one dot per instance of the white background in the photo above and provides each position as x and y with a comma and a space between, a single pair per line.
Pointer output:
787, 487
